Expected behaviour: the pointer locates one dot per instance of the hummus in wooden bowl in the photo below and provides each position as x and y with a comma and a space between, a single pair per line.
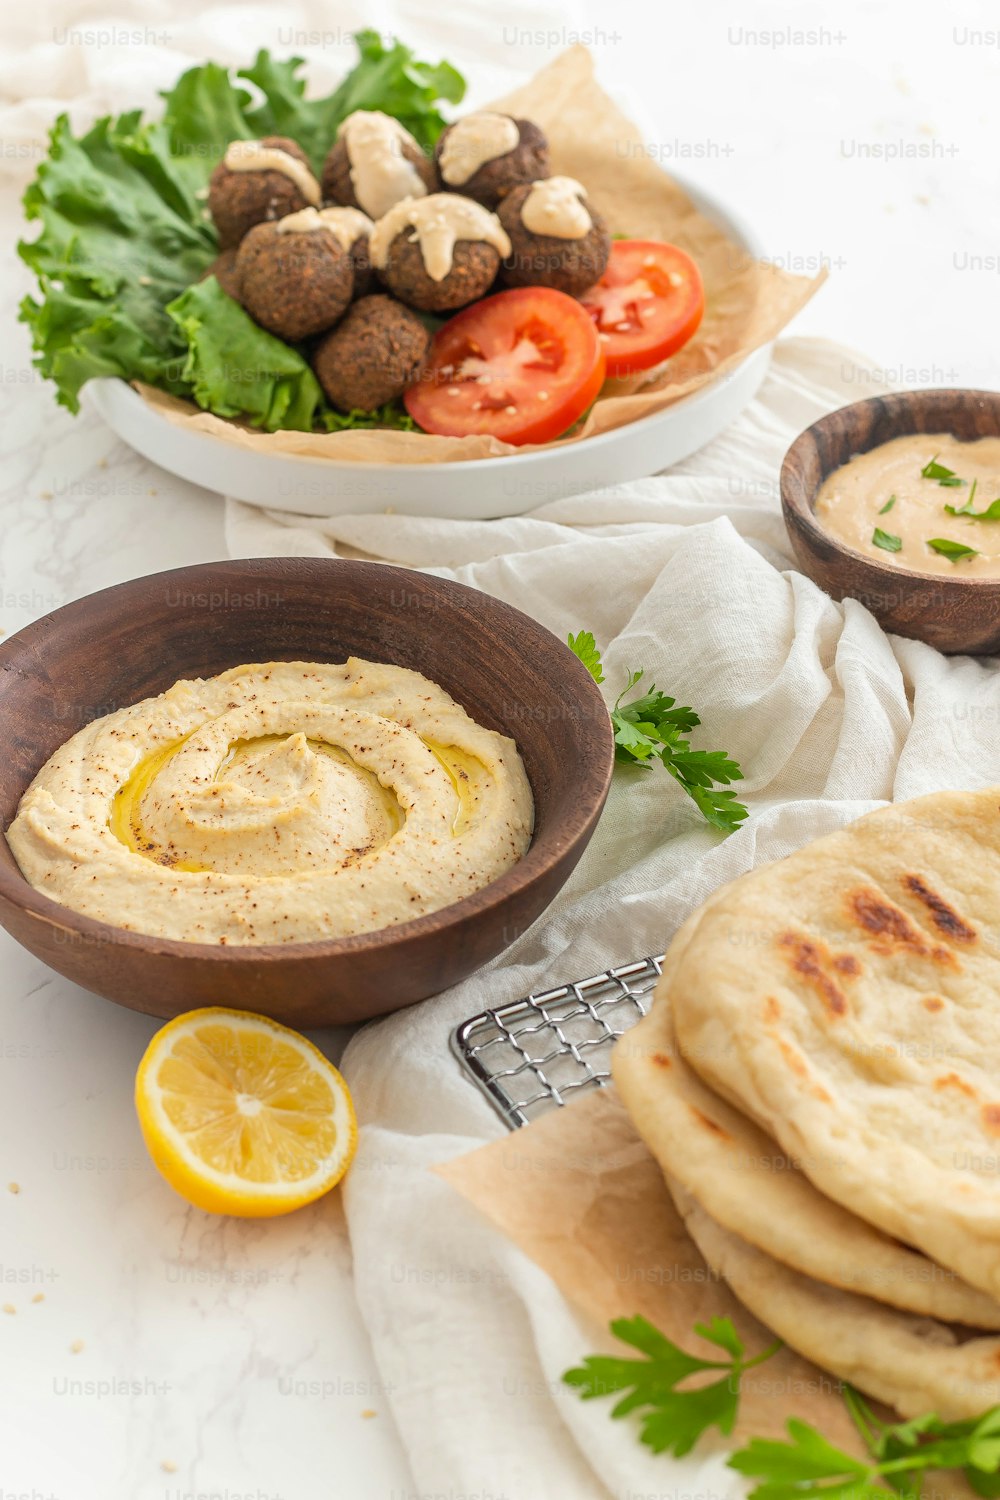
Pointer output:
400, 772
880, 506
282, 802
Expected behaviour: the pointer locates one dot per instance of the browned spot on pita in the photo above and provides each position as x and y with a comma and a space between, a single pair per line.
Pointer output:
807, 957
954, 1081
932, 1002
945, 918
709, 1124
820, 1093
991, 1118
661, 1059
892, 929
847, 964
772, 1010
794, 1060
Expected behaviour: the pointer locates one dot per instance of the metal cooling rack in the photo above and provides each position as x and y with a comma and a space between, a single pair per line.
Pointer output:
546, 1049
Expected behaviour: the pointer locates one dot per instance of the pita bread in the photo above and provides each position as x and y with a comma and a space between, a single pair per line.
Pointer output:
847, 999
739, 1176
914, 1365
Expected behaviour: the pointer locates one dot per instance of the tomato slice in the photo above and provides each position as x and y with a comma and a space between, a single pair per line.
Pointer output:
522, 365
647, 304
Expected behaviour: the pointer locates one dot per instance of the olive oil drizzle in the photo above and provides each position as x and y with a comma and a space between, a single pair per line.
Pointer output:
126, 824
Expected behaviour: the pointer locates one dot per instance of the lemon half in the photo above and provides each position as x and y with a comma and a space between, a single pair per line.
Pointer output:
243, 1116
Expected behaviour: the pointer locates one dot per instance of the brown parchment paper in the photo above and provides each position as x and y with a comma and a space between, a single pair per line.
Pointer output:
748, 302
579, 1193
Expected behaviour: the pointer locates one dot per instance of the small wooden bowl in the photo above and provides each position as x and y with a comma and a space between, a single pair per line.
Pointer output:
956, 615
128, 642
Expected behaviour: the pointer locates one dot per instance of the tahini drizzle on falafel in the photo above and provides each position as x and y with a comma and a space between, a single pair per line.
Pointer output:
374, 163
257, 181
438, 253
485, 155
351, 229
558, 240
293, 275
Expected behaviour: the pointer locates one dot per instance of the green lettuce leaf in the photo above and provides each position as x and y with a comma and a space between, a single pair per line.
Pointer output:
121, 236
236, 369
387, 78
125, 234
202, 113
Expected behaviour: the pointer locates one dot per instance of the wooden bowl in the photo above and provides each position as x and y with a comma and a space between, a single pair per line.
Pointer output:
128, 642
954, 614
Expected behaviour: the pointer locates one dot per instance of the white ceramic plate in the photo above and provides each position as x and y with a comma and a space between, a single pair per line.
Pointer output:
477, 490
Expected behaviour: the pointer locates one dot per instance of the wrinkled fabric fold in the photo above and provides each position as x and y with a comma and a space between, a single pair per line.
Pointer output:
688, 575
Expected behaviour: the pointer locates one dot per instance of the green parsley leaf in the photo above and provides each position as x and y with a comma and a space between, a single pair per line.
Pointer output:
584, 646
804, 1465
652, 727
888, 505
946, 477
966, 509
955, 550
886, 540
901, 1454
991, 513
672, 1420
633, 740
721, 1332
793, 1468
679, 1418
656, 708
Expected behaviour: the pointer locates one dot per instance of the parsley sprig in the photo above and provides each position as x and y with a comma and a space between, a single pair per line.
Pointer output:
900, 1455
654, 726
944, 476
886, 540
991, 513
947, 548
805, 1464
673, 1420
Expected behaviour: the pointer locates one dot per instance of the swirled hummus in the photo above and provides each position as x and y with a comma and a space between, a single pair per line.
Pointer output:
280, 802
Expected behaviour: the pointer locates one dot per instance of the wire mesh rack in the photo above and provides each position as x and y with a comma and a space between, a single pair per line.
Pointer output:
538, 1053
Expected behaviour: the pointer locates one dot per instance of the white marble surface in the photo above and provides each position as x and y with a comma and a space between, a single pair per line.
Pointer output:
233, 1353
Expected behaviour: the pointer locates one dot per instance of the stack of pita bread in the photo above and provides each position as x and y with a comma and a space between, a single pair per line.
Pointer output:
819, 1079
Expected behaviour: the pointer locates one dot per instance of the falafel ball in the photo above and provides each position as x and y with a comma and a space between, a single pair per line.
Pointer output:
364, 276
239, 198
223, 268
473, 271
462, 145
353, 229
566, 263
294, 282
440, 253
374, 353
375, 162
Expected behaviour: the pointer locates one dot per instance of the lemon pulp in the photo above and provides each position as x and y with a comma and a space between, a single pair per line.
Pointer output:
242, 1115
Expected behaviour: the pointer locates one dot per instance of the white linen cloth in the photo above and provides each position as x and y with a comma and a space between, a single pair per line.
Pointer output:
688, 575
